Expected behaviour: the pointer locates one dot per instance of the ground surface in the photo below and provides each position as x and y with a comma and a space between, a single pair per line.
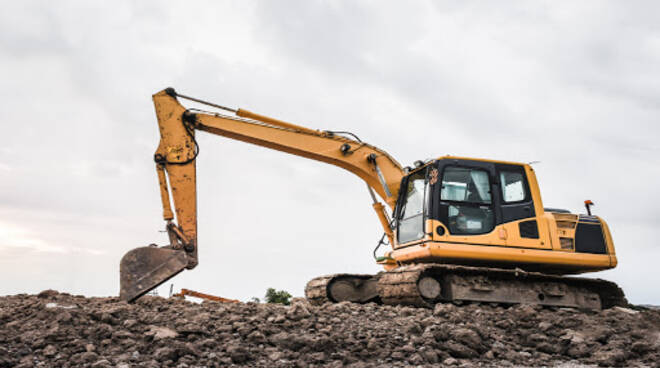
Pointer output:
60, 330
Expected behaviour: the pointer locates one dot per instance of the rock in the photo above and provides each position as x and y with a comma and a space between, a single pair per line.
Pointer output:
48, 294
641, 347
443, 309
573, 337
159, 333
276, 355
525, 311
50, 351
156, 332
183, 349
416, 359
192, 328
413, 328
536, 339
625, 310
89, 357
60, 306
397, 355
238, 354
298, 311
408, 349
301, 301
121, 334
257, 337
206, 344
430, 356
579, 350
165, 353
373, 344
458, 350
609, 358
287, 341
103, 363
63, 316
129, 323
450, 361
504, 324
545, 326
548, 348
467, 337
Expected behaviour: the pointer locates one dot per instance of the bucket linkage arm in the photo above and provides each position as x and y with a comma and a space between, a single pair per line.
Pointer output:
143, 269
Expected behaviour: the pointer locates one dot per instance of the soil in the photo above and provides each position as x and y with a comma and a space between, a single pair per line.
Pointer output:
60, 330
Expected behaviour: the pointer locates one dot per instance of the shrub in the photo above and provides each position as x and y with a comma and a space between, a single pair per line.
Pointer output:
281, 296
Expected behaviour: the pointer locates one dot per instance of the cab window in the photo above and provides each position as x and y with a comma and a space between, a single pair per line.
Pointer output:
467, 191
411, 214
465, 185
513, 186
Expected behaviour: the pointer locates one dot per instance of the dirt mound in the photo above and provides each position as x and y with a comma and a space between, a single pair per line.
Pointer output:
60, 330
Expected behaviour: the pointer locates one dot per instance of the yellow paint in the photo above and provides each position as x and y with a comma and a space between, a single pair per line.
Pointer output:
462, 253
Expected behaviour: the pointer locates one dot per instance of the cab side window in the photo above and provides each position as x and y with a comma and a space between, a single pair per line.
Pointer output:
513, 186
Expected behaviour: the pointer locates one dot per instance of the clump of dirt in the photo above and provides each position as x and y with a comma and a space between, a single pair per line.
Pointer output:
60, 330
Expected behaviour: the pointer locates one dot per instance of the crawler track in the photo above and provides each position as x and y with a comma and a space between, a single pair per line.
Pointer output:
478, 284
316, 290
320, 289
399, 286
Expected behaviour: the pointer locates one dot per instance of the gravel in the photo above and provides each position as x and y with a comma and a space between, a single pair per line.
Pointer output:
54, 329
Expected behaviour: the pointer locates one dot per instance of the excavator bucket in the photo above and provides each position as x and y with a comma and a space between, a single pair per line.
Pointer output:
144, 268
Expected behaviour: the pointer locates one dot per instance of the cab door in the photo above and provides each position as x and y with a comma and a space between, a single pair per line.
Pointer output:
516, 203
519, 222
411, 211
465, 201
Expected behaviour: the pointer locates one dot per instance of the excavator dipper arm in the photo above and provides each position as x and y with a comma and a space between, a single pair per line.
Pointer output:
143, 269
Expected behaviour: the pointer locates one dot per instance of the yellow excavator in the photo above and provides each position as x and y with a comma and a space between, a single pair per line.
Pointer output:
459, 229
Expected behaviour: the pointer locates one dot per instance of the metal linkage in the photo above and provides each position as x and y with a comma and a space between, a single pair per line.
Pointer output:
170, 91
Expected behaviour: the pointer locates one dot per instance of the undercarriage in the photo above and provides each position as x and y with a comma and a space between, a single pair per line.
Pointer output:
424, 285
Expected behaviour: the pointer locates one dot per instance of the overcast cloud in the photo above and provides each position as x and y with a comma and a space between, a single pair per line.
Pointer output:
574, 85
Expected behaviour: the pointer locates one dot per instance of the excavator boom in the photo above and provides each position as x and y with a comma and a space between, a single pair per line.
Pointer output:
143, 269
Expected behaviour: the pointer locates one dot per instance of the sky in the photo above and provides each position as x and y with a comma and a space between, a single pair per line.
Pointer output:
571, 86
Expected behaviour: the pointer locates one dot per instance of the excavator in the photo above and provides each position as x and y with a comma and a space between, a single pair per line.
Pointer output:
457, 229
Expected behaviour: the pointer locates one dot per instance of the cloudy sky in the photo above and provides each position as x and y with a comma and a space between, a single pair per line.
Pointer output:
574, 86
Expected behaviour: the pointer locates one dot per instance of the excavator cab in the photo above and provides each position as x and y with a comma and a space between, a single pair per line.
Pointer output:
455, 197
471, 211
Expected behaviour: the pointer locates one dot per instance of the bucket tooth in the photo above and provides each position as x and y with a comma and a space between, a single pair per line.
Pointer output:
143, 269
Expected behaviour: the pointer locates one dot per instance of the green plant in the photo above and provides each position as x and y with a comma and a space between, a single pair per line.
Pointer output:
281, 296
